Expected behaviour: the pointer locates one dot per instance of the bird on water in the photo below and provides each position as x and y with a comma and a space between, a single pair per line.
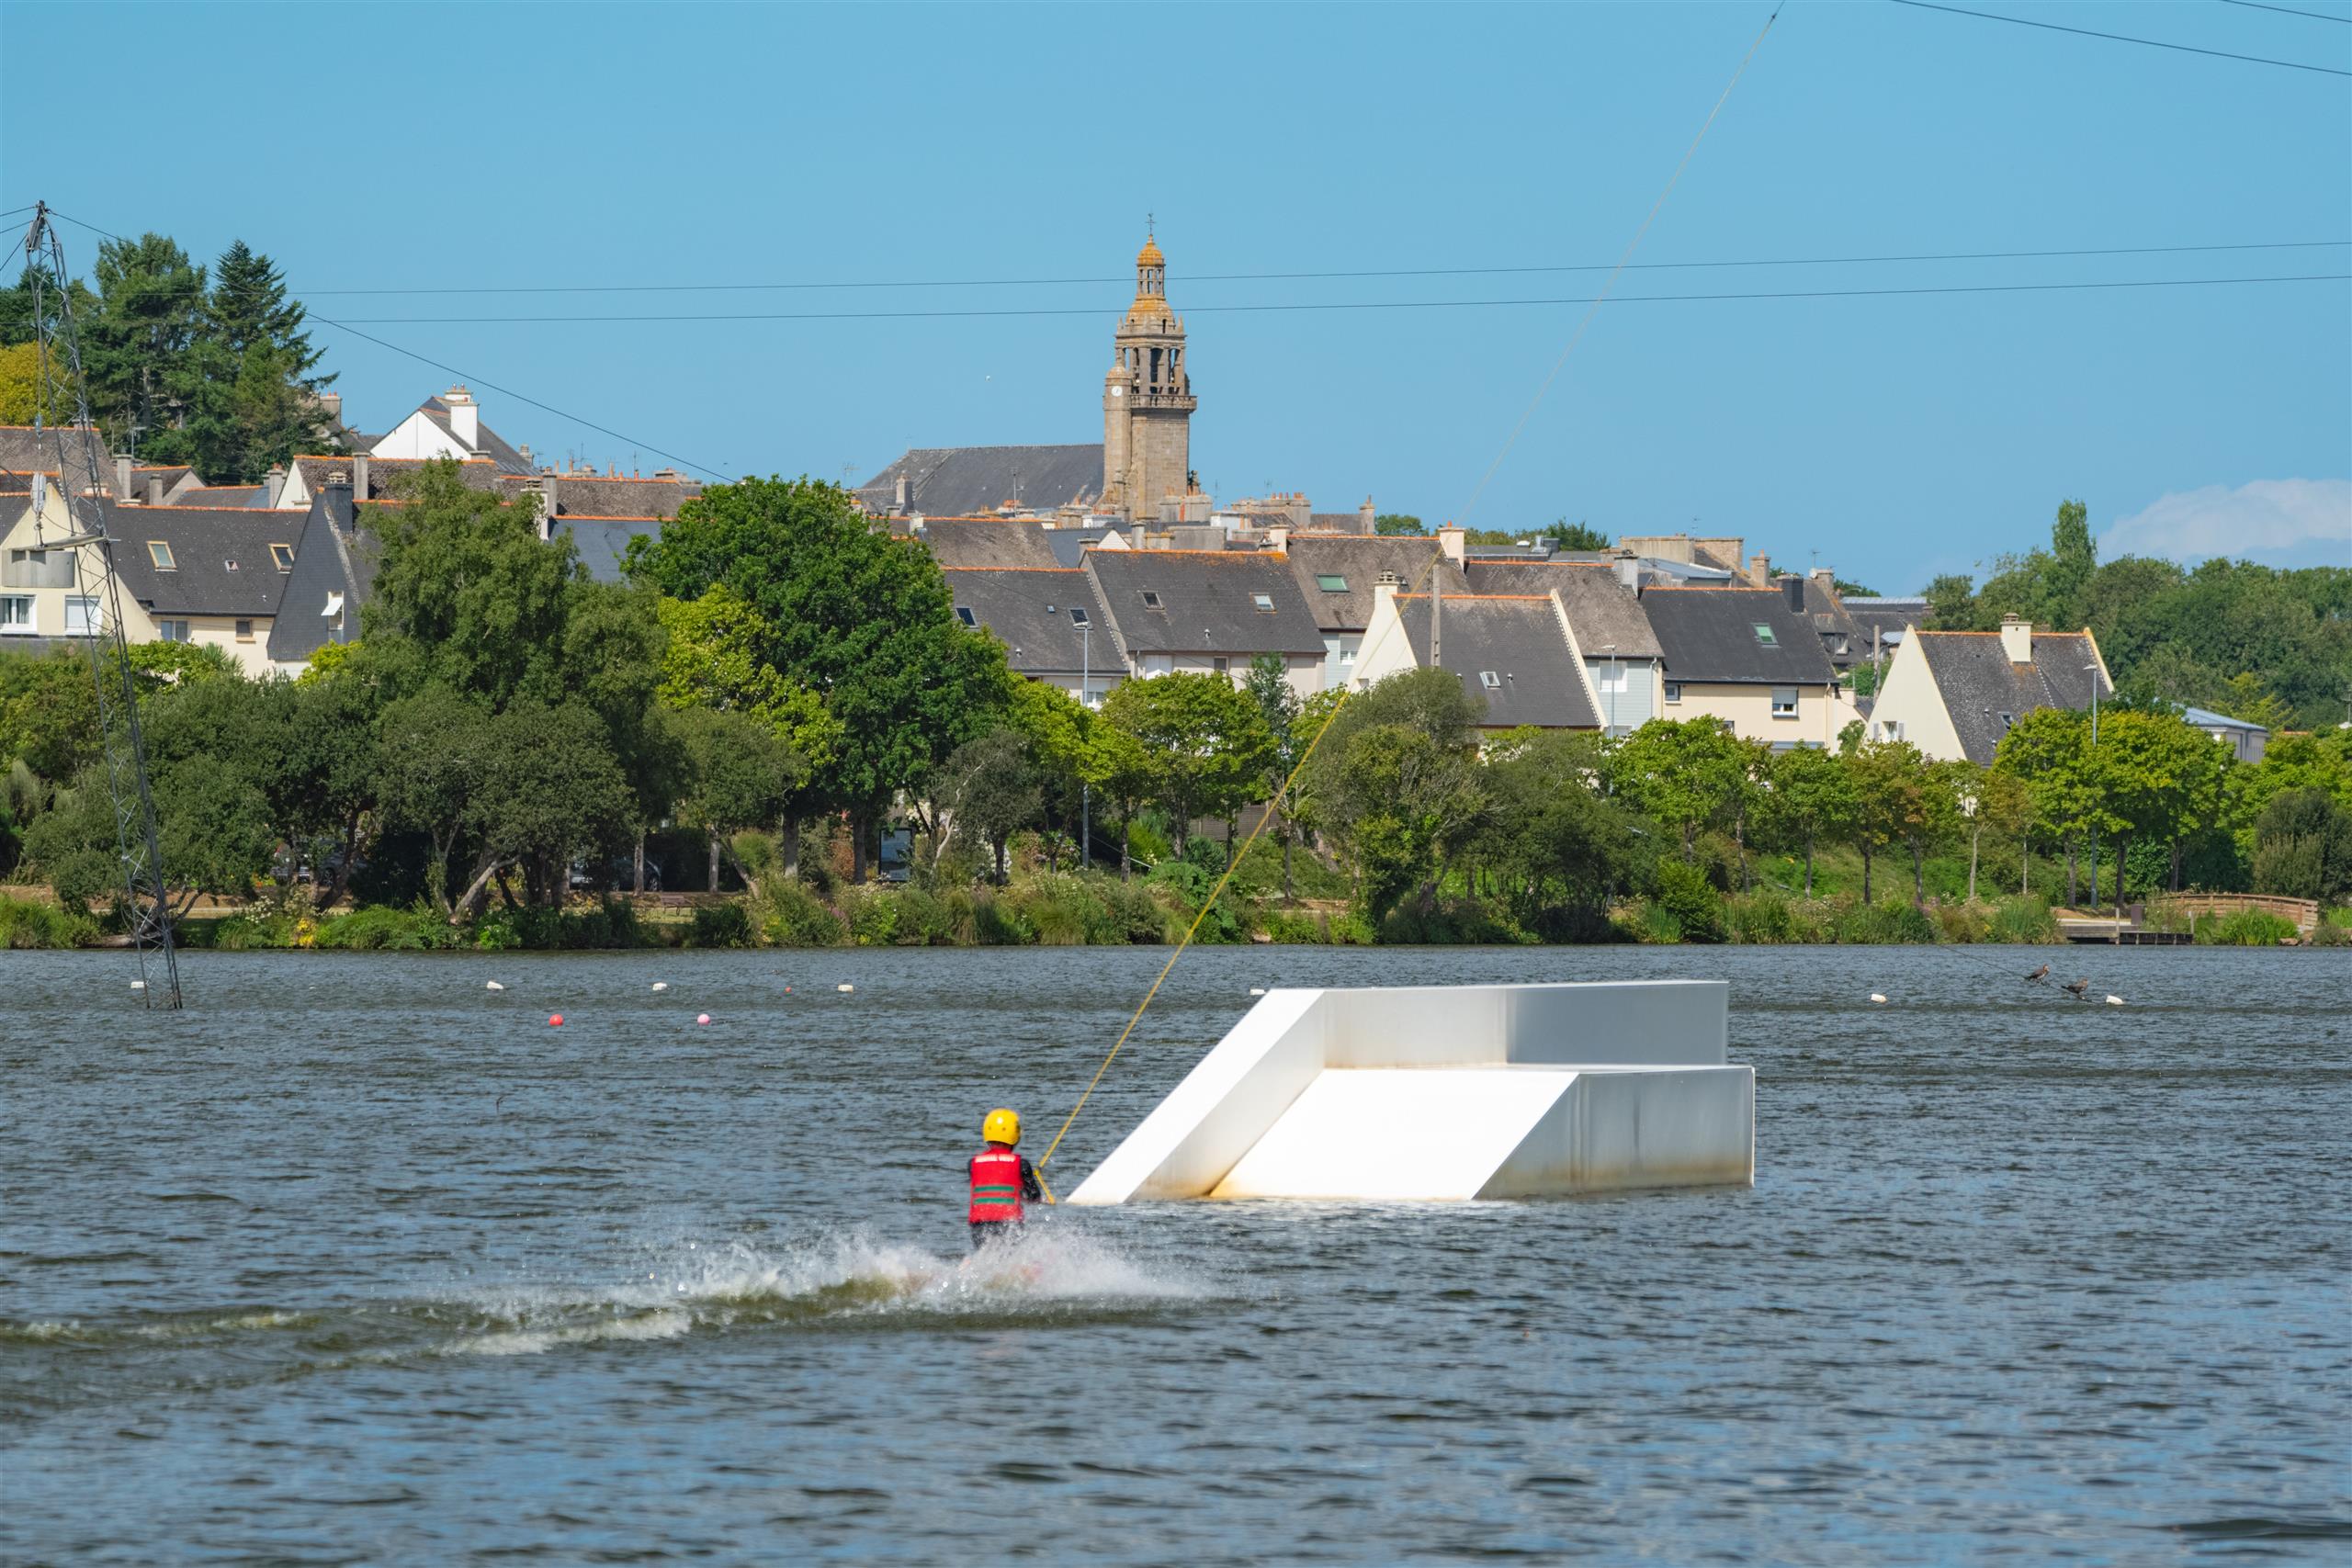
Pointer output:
2075, 988
2040, 974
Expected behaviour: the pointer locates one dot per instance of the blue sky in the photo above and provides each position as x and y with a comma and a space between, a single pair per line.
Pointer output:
525, 145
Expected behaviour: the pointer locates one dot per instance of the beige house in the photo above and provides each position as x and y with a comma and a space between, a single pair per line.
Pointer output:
1954, 694
210, 575
1749, 658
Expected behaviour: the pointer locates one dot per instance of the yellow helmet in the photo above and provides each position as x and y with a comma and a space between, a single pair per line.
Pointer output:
1002, 1127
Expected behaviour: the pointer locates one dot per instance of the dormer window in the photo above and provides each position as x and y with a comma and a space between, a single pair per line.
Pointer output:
1150, 599
1764, 637
964, 614
160, 554
1262, 603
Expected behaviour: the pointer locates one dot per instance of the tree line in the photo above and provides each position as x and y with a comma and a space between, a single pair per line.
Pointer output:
212, 368
774, 661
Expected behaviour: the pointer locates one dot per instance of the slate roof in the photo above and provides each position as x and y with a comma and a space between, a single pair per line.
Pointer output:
23, 452
334, 555
1979, 685
203, 541
1709, 634
1029, 610
252, 498
1337, 522
1359, 559
1603, 611
989, 542
596, 495
1517, 640
1889, 615
1205, 603
1831, 622
962, 481
487, 440
1069, 544
474, 474
603, 542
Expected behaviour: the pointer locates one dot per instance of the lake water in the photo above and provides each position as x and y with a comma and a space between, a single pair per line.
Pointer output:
355, 1261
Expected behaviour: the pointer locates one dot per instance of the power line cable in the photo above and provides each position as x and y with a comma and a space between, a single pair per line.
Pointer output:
2289, 11
1312, 276
1592, 300
2122, 38
468, 376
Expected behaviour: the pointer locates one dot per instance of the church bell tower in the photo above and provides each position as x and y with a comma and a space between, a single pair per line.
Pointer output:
1147, 401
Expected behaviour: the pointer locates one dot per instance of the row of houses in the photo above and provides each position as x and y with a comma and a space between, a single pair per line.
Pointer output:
270, 573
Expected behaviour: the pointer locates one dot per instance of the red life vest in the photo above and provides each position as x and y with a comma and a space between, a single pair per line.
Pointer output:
996, 1184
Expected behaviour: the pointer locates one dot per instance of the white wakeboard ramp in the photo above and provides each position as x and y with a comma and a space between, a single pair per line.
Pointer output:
1452, 1092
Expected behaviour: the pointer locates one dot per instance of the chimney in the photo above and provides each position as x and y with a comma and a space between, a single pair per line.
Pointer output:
360, 476
273, 485
154, 490
1453, 540
1366, 518
1384, 592
1628, 567
524, 451
2017, 638
331, 405
465, 417
337, 497
1760, 568
1793, 587
121, 476
669, 475
903, 494
1828, 579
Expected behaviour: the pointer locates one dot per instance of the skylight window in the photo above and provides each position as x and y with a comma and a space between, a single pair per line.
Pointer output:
1264, 602
160, 554
1330, 582
1078, 615
965, 615
282, 556
1489, 680
1150, 599
1764, 636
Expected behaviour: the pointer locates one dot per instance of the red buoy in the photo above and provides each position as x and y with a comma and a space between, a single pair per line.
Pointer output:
555, 1021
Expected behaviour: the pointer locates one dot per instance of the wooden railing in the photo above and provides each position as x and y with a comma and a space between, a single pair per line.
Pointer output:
2304, 912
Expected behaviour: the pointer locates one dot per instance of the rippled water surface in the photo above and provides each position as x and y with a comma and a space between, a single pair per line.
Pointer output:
357, 1261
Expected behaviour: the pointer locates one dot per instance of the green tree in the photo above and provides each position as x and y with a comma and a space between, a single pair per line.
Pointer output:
26, 395
861, 618
1122, 774
1208, 744
1849, 589
1400, 804
2303, 847
1893, 801
1577, 535
1558, 849
740, 774
1687, 774
993, 791
1808, 796
258, 330
1951, 602
2047, 751
1269, 686
1396, 522
1995, 802
436, 751
152, 385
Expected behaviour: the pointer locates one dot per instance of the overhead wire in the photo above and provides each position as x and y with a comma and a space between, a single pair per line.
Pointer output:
1320, 275
2289, 11
1306, 754
2122, 38
1325, 305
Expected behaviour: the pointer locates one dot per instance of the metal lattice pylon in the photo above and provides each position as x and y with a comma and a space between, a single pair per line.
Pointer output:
147, 901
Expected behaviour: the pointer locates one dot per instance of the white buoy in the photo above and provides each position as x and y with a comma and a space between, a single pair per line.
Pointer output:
844, 988
1878, 996
138, 985
661, 984
493, 986
2114, 1002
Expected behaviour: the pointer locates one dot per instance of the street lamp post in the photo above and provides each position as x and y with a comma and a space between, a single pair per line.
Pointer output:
1616, 668
1086, 700
2118, 871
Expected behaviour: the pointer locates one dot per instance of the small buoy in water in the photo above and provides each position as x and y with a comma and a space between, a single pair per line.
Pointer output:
492, 986
844, 988
787, 990
661, 984
702, 1018
2114, 1002
555, 1021
1878, 996
138, 985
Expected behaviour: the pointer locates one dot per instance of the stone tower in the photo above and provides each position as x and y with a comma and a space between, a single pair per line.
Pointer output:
1147, 401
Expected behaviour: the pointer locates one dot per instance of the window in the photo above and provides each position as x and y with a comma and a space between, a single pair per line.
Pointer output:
1674, 691
160, 554
1221, 664
230, 564
282, 556
1764, 637
17, 614
965, 615
1489, 680
2006, 720
1150, 599
1784, 702
1330, 582
172, 631
81, 617
245, 631
1262, 603
1078, 615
